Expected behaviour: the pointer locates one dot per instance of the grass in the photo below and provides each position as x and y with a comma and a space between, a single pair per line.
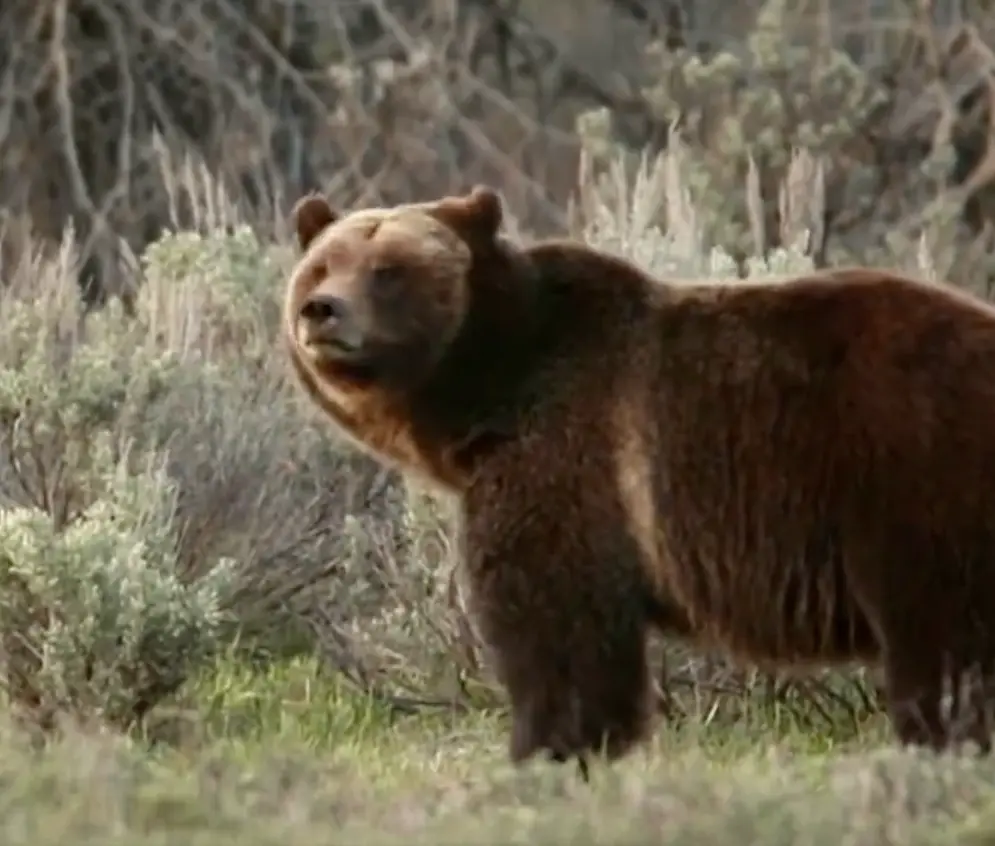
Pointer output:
282, 757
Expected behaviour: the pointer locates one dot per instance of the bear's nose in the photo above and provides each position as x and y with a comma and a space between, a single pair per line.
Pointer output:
323, 308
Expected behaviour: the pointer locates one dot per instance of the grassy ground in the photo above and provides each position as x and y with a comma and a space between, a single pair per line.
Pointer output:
281, 759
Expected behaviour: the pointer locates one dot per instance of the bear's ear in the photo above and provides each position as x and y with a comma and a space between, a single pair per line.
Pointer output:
311, 215
475, 216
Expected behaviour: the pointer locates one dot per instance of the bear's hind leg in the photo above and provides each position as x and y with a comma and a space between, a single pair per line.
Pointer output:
940, 701
931, 603
913, 690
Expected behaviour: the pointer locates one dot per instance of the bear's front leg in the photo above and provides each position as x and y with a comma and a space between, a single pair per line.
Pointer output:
559, 597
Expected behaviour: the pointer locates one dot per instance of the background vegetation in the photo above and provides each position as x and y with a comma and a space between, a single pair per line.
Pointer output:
219, 622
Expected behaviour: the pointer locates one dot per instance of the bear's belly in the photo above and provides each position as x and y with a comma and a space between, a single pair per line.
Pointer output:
773, 617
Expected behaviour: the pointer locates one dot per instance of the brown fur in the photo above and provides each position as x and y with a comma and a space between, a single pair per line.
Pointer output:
801, 473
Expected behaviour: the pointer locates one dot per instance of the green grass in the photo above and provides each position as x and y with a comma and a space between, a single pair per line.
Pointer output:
284, 758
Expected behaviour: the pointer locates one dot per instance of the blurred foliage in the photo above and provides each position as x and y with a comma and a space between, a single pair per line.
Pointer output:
392, 100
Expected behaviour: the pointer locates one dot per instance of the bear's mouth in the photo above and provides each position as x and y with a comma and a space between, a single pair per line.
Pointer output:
342, 362
335, 349
335, 344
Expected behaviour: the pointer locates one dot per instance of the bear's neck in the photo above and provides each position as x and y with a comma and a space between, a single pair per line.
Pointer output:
476, 386
526, 306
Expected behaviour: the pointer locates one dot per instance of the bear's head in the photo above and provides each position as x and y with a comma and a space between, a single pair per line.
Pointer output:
380, 294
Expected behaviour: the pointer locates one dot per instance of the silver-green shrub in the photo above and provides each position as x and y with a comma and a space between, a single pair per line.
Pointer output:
206, 295
317, 539
94, 619
256, 486
261, 476
643, 210
790, 83
64, 382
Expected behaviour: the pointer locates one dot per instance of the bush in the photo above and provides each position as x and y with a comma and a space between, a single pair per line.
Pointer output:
94, 620
897, 165
188, 386
310, 537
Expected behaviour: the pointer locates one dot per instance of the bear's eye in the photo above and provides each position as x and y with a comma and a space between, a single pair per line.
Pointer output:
385, 278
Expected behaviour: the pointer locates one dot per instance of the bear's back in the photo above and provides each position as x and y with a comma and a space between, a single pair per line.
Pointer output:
799, 428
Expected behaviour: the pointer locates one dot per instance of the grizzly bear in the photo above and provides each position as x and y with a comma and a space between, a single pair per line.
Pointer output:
798, 472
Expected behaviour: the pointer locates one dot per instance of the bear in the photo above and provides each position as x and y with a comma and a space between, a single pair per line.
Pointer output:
799, 472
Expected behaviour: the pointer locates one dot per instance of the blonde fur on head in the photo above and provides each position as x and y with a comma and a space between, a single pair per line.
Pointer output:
402, 271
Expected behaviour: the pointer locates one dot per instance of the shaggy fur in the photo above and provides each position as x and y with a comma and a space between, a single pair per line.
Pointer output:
800, 473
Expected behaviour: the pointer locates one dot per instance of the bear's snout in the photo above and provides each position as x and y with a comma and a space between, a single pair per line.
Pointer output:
329, 322
320, 309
